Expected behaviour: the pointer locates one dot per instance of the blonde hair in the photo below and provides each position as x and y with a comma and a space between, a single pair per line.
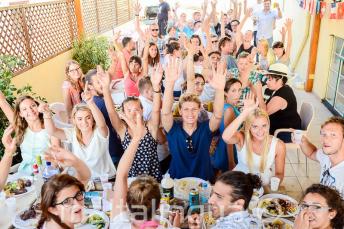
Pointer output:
189, 97
81, 107
248, 139
20, 124
267, 51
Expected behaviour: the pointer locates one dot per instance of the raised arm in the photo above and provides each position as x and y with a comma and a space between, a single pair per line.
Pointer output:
6, 161
96, 113
49, 124
6, 108
204, 9
124, 65
66, 158
145, 56
121, 185
137, 9
218, 82
172, 74
67, 101
190, 70
279, 12
223, 31
212, 16
155, 117
118, 46
230, 134
110, 106
307, 148
288, 25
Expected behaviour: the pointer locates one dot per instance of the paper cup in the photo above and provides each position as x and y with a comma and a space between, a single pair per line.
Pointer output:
298, 136
274, 183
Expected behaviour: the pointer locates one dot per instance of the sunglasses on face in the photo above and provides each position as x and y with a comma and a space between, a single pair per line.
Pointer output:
214, 41
155, 30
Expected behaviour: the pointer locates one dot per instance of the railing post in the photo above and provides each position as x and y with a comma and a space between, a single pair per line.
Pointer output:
116, 12
79, 21
71, 30
97, 16
27, 37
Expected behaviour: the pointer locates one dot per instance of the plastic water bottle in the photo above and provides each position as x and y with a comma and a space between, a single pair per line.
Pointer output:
37, 180
205, 193
49, 171
167, 185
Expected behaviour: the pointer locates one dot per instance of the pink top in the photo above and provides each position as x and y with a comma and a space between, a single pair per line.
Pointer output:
131, 87
74, 93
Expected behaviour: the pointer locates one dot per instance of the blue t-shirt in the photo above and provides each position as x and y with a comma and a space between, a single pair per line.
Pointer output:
164, 7
115, 146
190, 163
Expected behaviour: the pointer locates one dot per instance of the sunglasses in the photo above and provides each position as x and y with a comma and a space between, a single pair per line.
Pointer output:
214, 41
189, 144
155, 30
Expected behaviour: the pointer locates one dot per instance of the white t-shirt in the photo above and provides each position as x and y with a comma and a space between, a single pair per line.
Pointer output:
208, 93
147, 107
265, 24
332, 176
258, 7
95, 155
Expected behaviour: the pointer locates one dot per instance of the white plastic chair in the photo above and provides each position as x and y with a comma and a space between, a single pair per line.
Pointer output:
306, 115
60, 116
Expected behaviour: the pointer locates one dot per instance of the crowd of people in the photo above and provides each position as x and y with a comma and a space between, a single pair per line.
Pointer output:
194, 107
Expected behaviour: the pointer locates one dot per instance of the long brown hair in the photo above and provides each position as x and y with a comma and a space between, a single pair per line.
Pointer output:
81, 107
19, 122
76, 85
49, 193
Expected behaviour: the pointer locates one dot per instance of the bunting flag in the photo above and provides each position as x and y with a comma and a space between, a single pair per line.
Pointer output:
333, 11
323, 8
340, 10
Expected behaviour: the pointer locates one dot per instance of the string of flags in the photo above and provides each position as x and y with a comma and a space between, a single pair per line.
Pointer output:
332, 10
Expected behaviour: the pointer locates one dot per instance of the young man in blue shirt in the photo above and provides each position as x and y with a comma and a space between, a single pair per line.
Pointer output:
189, 140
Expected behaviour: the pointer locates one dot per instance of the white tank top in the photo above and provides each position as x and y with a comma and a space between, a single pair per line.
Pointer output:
270, 159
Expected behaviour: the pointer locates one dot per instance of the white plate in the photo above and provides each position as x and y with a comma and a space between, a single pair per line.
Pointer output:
288, 222
183, 186
280, 196
25, 224
89, 212
29, 189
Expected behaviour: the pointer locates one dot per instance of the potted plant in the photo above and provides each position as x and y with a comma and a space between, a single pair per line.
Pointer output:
90, 52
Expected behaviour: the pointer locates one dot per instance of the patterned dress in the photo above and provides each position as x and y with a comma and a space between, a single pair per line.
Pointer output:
146, 160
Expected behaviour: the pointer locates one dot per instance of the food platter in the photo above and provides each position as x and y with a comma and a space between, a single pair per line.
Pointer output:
278, 205
27, 219
17, 187
94, 219
277, 223
183, 186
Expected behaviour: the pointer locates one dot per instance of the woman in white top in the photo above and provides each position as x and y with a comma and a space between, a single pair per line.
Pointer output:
89, 137
29, 130
135, 207
257, 150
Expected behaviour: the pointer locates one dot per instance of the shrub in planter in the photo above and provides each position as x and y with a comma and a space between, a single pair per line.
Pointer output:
7, 65
90, 52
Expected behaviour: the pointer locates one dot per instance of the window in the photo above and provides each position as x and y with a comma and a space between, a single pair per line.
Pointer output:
334, 99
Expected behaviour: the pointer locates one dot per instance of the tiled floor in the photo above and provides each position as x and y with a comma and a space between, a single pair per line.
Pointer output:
296, 181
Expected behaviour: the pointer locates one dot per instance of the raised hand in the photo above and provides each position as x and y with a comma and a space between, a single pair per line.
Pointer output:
9, 143
194, 221
213, 4
137, 125
60, 156
218, 80
250, 103
283, 31
288, 23
117, 35
172, 69
302, 220
104, 78
157, 77
43, 108
249, 12
137, 8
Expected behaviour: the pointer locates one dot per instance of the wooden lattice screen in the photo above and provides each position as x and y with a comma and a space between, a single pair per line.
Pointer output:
103, 15
37, 32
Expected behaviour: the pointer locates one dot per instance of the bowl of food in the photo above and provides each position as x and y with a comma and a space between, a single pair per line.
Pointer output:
28, 219
94, 219
19, 187
277, 223
278, 205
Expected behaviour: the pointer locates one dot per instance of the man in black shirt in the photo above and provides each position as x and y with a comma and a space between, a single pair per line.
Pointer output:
164, 9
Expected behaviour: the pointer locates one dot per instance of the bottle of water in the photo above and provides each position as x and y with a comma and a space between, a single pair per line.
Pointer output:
205, 193
37, 180
49, 171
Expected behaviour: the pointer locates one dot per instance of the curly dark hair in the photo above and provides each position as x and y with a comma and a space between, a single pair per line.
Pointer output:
333, 200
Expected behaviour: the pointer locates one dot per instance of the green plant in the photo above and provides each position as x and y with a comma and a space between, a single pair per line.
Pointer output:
90, 52
7, 65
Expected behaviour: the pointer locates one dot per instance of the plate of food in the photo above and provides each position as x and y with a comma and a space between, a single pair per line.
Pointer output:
94, 219
277, 223
278, 205
19, 187
208, 220
183, 186
28, 219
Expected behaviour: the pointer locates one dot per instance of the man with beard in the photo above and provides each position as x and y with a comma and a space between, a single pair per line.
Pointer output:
95, 87
330, 155
229, 201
